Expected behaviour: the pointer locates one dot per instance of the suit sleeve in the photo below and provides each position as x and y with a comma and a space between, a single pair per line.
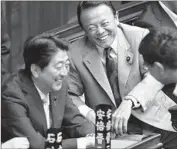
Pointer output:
146, 90
15, 120
75, 124
76, 90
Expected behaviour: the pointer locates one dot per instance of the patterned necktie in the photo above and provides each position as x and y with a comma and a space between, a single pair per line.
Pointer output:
112, 74
134, 126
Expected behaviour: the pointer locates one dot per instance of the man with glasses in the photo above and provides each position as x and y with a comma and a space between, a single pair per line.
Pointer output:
105, 68
36, 99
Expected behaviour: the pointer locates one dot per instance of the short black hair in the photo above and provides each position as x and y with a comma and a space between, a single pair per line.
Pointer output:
40, 49
89, 4
160, 45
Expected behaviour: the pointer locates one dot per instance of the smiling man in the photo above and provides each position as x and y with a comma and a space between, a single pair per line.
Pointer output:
105, 68
36, 99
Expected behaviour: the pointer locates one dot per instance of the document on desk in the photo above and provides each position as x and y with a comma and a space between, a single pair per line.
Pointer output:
125, 141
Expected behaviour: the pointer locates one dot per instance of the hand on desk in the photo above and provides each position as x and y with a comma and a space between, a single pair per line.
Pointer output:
18, 142
91, 116
121, 116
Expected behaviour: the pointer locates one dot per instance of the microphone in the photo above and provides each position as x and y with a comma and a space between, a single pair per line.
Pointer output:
103, 126
54, 138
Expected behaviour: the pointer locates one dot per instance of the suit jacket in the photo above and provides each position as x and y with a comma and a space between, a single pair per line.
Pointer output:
88, 76
23, 113
156, 16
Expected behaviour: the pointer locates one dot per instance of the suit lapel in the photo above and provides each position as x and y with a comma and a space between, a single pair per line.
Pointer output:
93, 62
125, 60
34, 100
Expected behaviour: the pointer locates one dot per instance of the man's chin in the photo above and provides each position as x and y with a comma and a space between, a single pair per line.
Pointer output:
57, 87
105, 44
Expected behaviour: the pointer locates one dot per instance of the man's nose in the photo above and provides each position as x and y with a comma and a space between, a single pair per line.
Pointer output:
100, 30
64, 72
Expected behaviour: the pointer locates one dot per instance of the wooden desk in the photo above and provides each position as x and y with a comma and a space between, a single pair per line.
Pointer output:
152, 141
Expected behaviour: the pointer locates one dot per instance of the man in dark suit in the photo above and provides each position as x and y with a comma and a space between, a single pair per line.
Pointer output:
105, 68
36, 99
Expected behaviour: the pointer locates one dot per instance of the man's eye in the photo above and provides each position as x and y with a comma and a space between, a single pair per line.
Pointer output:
104, 24
58, 68
92, 28
67, 65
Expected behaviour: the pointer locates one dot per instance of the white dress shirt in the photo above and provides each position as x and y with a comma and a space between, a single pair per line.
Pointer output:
170, 13
46, 104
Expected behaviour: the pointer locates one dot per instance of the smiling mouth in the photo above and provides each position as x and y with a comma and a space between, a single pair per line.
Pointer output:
58, 80
103, 38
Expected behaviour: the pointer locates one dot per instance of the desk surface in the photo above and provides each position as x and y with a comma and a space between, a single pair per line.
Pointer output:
132, 142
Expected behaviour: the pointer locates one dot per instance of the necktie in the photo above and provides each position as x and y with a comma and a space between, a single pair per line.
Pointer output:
53, 112
112, 74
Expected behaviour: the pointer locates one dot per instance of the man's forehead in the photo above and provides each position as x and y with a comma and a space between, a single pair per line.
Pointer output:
95, 11
60, 56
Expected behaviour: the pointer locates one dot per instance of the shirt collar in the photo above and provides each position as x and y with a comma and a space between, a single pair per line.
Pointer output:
44, 97
114, 44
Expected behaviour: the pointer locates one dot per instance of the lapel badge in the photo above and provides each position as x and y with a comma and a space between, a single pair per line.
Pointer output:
129, 58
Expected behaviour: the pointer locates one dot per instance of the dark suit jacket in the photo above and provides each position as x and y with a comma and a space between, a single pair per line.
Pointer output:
156, 16
23, 113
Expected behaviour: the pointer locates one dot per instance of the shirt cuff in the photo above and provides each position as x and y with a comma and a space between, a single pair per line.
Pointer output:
81, 143
84, 110
135, 102
145, 91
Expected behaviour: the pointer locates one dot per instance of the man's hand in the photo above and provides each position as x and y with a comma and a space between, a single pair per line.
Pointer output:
18, 143
91, 116
121, 116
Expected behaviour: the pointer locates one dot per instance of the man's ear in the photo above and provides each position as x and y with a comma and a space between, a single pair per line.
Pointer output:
35, 70
159, 67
